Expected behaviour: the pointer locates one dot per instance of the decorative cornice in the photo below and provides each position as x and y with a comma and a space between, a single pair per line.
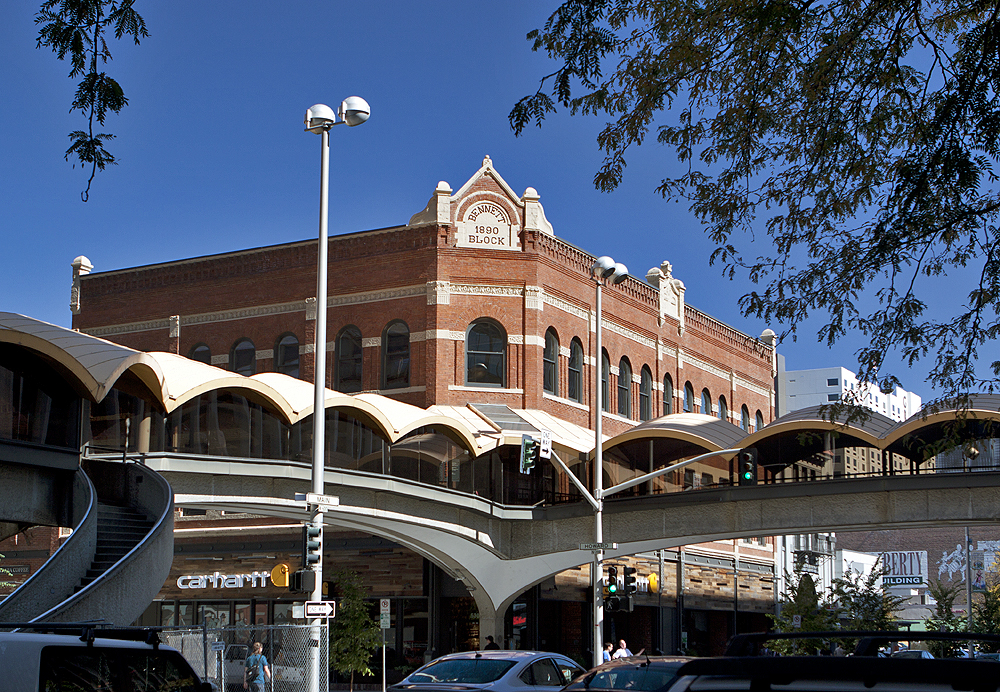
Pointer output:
378, 296
534, 298
566, 306
487, 290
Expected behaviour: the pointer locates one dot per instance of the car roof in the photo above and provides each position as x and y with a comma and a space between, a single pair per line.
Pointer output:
51, 639
764, 671
500, 654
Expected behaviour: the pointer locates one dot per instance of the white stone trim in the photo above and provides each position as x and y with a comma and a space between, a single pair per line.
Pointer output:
203, 318
567, 402
265, 353
566, 306
221, 359
307, 348
497, 390
753, 386
377, 296
637, 379
516, 339
310, 309
487, 290
564, 352
534, 298
175, 326
708, 367
401, 390
430, 334
532, 340
371, 342
438, 292
615, 371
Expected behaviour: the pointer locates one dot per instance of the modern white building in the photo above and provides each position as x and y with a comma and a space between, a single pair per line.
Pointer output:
799, 389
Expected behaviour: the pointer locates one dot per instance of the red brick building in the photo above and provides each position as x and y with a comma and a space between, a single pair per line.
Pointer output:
403, 302
474, 301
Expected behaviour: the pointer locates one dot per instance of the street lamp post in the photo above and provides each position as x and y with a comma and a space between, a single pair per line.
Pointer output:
604, 269
319, 119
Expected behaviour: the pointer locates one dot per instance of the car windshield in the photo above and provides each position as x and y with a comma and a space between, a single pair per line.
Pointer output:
114, 669
467, 670
641, 678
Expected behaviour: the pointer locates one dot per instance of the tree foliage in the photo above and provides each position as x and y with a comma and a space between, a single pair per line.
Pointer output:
986, 609
865, 604
354, 634
861, 136
944, 619
818, 614
78, 29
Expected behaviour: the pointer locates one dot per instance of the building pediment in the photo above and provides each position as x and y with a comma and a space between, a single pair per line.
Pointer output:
485, 211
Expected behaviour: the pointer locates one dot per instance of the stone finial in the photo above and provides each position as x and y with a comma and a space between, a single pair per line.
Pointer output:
487, 162
438, 209
769, 337
534, 214
81, 267
671, 293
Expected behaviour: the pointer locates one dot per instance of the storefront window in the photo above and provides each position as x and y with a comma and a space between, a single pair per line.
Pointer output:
415, 631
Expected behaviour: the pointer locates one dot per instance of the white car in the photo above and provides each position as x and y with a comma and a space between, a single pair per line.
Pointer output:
492, 671
127, 660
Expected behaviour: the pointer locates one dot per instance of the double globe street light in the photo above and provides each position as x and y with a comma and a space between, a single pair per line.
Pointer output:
320, 118
605, 270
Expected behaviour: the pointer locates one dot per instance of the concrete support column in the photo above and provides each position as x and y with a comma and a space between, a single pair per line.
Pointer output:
490, 621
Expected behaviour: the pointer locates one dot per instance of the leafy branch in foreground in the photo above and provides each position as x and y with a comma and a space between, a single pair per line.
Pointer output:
861, 136
77, 28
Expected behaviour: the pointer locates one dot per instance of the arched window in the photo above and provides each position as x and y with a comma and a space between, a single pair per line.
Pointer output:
745, 419
286, 355
624, 388
706, 402
201, 353
485, 354
575, 383
723, 409
243, 358
668, 395
396, 355
688, 398
760, 420
645, 393
605, 387
550, 363
348, 349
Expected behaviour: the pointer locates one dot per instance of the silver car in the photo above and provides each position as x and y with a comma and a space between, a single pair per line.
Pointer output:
496, 671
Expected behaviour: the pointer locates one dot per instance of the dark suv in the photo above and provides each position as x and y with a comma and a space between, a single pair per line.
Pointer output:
746, 667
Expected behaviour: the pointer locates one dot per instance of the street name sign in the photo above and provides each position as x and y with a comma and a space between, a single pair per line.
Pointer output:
598, 546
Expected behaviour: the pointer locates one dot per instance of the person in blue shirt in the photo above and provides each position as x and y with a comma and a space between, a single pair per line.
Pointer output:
256, 670
607, 652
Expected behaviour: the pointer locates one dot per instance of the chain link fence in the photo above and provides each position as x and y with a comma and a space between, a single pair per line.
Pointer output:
219, 654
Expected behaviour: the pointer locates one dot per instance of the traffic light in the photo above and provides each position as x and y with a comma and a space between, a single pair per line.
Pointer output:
630, 587
530, 448
748, 466
312, 545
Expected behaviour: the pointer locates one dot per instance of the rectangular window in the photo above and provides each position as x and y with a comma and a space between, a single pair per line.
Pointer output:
832, 382
833, 397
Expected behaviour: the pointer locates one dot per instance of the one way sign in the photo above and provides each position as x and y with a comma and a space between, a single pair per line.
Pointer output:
321, 609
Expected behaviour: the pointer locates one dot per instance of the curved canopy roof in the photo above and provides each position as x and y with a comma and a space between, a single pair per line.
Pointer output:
699, 429
96, 365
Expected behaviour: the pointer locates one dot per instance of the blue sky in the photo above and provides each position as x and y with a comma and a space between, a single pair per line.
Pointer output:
213, 156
